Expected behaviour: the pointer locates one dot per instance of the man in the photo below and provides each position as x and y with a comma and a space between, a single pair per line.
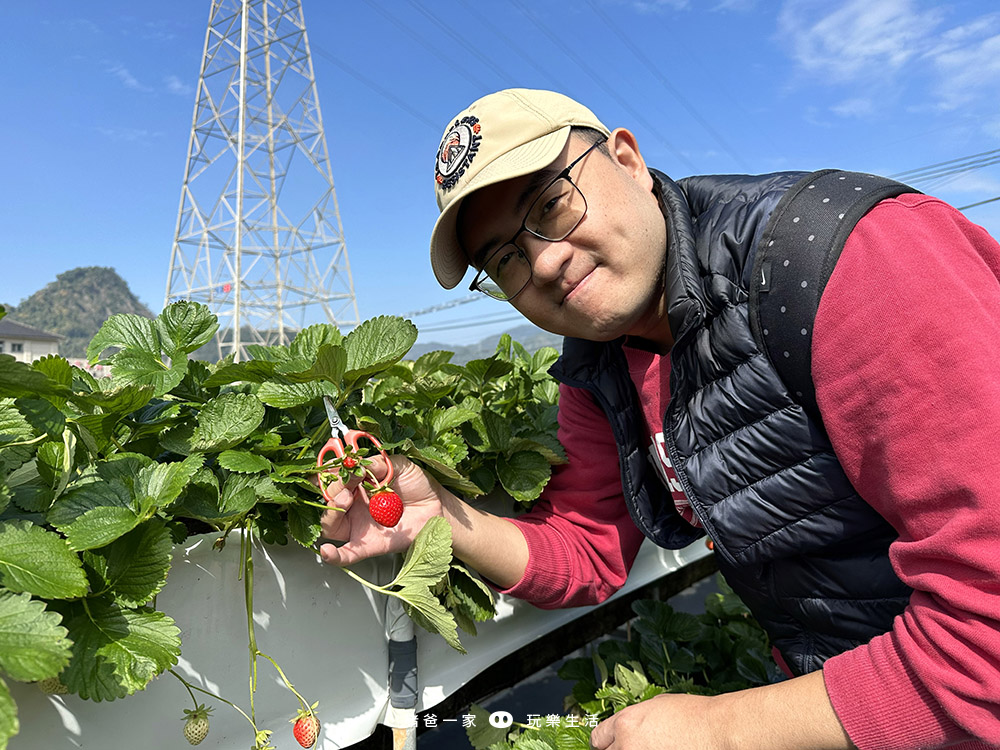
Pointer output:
863, 538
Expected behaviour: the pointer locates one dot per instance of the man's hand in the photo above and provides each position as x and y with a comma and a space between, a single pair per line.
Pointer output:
791, 715
349, 520
665, 721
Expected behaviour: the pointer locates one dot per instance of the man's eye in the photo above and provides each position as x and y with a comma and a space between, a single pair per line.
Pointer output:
504, 259
552, 204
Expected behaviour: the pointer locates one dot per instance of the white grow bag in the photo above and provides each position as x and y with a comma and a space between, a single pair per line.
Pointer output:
325, 630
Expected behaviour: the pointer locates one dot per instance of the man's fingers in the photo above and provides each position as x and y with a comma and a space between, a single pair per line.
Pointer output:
602, 735
343, 555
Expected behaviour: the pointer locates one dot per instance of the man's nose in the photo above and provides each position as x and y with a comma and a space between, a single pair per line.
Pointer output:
548, 258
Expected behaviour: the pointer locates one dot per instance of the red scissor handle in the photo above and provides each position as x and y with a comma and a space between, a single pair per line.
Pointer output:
336, 444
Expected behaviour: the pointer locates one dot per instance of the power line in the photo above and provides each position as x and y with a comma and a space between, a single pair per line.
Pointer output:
917, 170
445, 305
449, 62
507, 319
666, 83
387, 95
462, 42
973, 205
609, 90
511, 44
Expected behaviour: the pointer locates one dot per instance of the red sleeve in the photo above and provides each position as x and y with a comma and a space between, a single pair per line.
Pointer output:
581, 539
905, 360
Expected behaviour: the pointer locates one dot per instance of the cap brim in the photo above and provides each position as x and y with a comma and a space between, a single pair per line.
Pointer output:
448, 259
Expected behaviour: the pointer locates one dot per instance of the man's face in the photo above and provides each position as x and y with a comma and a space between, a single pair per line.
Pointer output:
605, 279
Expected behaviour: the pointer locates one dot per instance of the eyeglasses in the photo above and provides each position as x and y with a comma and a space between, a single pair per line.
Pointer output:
552, 216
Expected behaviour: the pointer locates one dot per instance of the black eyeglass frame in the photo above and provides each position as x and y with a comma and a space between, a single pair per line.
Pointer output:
563, 175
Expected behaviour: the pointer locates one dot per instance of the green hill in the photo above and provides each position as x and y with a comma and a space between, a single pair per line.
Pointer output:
76, 304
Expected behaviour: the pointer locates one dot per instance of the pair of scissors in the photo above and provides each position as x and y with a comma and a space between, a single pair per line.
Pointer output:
341, 436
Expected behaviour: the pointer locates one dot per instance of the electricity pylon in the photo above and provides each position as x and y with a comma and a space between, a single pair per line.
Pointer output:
259, 238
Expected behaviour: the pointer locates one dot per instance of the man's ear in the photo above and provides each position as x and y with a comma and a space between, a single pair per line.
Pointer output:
624, 151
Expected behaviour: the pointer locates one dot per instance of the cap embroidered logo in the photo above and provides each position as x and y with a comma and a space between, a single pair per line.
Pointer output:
457, 150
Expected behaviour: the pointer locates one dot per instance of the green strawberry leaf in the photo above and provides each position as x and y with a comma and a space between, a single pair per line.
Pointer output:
542, 360
133, 568
427, 612
138, 367
9, 725
268, 353
125, 331
43, 416
56, 368
39, 562
475, 598
428, 558
303, 524
308, 342
227, 420
14, 428
160, 484
185, 326
480, 732
33, 644
251, 371
377, 344
116, 651
239, 494
482, 371
497, 430
18, 379
243, 462
524, 474
121, 400
85, 495
289, 395
446, 419
327, 364
430, 363
100, 526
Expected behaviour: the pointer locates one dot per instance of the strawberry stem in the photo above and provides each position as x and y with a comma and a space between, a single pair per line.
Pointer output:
302, 701
191, 687
246, 552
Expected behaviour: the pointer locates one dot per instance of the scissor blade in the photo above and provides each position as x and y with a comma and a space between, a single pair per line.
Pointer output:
336, 423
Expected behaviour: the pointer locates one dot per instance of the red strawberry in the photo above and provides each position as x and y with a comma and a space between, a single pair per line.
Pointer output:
306, 728
196, 727
350, 462
386, 507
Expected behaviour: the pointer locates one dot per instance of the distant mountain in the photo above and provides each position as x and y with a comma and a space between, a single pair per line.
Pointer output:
530, 337
76, 304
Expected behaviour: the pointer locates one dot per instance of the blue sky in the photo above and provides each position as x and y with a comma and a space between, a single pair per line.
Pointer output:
99, 98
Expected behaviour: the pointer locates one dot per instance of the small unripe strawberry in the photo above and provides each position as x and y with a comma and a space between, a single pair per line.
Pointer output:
196, 724
386, 507
306, 728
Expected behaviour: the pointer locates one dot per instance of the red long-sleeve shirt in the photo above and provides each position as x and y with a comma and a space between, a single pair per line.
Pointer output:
906, 362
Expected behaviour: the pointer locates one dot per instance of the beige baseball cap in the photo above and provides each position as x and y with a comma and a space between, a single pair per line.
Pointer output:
504, 135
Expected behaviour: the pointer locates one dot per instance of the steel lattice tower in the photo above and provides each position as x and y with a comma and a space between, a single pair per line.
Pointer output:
258, 237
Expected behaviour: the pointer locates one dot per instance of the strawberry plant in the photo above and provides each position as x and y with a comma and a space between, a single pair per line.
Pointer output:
100, 478
721, 650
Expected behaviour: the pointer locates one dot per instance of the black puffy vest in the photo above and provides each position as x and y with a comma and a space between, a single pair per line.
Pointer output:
806, 554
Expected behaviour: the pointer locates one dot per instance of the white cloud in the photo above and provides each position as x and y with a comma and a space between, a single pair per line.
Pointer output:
860, 38
128, 80
967, 71
176, 86
858, 107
